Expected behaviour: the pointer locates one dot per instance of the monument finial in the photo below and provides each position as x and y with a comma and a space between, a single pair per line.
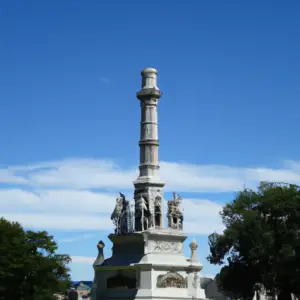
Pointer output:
100, 258
149, 78
193, 247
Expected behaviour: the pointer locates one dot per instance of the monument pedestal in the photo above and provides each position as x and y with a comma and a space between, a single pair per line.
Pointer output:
148, 264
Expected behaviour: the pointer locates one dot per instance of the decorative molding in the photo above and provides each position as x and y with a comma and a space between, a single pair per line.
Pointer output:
171, 279
163, 246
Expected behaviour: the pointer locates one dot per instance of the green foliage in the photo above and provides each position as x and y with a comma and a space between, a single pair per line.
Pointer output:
63, 285
29, 265
261, 242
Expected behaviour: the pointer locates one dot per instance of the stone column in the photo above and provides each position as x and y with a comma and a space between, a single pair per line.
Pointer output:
149, 96
148, 180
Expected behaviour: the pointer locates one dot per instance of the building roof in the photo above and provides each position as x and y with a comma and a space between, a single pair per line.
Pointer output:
83, 287
89, 284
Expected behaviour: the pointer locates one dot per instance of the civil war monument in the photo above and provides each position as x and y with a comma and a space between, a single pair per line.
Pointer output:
148, 259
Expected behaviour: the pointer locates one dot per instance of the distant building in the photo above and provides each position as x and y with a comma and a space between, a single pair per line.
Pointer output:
211, 289
83, 289
89, 283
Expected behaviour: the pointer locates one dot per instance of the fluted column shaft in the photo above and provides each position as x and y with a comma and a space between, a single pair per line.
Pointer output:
148, 140
149, 96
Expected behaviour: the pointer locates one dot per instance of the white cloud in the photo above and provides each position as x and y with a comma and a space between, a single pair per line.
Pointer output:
198, 178
71, 222
71, 210
83, 259
58, 201
77, 238
105, 174
202, 216
7, 176
79, 195
76, 194
77, 174
208, 276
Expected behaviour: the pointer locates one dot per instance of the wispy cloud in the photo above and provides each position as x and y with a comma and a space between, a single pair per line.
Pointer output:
77, 238
61, 195
104, 80
83, 259
88, 174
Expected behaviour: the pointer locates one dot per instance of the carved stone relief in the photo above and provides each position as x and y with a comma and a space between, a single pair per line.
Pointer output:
163, 246
171, 279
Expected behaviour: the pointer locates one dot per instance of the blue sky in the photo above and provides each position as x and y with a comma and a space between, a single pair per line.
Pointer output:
69, 119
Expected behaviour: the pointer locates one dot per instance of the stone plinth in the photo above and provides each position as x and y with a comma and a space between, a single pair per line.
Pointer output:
148, 264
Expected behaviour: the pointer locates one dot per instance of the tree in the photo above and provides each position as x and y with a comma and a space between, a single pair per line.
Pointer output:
64, 285
30, 269
261, 242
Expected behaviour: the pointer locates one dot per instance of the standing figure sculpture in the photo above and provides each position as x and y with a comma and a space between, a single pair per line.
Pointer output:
141, 210
124, 225
176, 197
151, 214
115, 216
119, 215
157, 211
175, 214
